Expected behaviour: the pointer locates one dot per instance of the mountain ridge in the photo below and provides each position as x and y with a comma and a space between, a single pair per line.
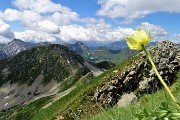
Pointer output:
36, 71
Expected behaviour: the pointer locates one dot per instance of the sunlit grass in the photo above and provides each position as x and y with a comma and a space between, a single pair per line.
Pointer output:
149, 102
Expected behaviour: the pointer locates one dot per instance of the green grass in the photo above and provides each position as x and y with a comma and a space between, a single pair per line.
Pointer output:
73, 79
80, 97
148, 102
33, 108
25, 112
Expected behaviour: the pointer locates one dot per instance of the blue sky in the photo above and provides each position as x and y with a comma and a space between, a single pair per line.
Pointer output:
93, 21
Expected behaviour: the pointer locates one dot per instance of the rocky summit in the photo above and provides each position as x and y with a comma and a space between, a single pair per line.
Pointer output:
139, 77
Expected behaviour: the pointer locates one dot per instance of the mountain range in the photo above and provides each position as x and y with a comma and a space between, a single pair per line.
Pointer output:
53, 82
101, 53
123, 45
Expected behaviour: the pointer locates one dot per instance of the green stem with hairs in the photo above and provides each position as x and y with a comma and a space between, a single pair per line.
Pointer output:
159, 76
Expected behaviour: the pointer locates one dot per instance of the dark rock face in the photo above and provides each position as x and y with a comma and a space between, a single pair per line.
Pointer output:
140, 78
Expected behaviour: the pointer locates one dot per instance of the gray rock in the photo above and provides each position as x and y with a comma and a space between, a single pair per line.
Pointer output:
126, 99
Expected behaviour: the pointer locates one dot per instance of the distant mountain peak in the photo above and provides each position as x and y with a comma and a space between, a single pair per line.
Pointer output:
16, 46
78, 47
79, 42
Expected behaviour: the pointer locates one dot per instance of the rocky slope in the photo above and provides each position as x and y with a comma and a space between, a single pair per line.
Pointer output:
38, 72
139, 78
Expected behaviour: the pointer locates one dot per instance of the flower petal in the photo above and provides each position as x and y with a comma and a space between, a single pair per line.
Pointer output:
140, 35
132, 43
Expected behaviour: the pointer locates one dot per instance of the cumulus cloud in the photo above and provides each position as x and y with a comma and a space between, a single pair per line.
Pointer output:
5, 32
35, 36
11, 14
48, 26
157, 32
40, 6
63, 18
58, 14
94, 32
28, 18
132, 9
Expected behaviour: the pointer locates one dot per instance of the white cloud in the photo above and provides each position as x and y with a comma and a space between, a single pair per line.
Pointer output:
35, 36
40, 6
74, 32
48, 26
57, 13
28, 18
94, 32
136, 8
63, 18
5, 32
11, 14
157, 32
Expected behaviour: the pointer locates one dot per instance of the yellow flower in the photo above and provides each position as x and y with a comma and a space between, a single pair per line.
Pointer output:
140, 38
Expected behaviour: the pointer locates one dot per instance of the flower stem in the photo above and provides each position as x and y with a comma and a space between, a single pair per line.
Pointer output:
159, 76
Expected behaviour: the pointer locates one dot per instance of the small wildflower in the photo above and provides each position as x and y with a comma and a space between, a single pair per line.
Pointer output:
140, 38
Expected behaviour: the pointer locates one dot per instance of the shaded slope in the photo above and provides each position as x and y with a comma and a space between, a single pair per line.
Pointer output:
37, 72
